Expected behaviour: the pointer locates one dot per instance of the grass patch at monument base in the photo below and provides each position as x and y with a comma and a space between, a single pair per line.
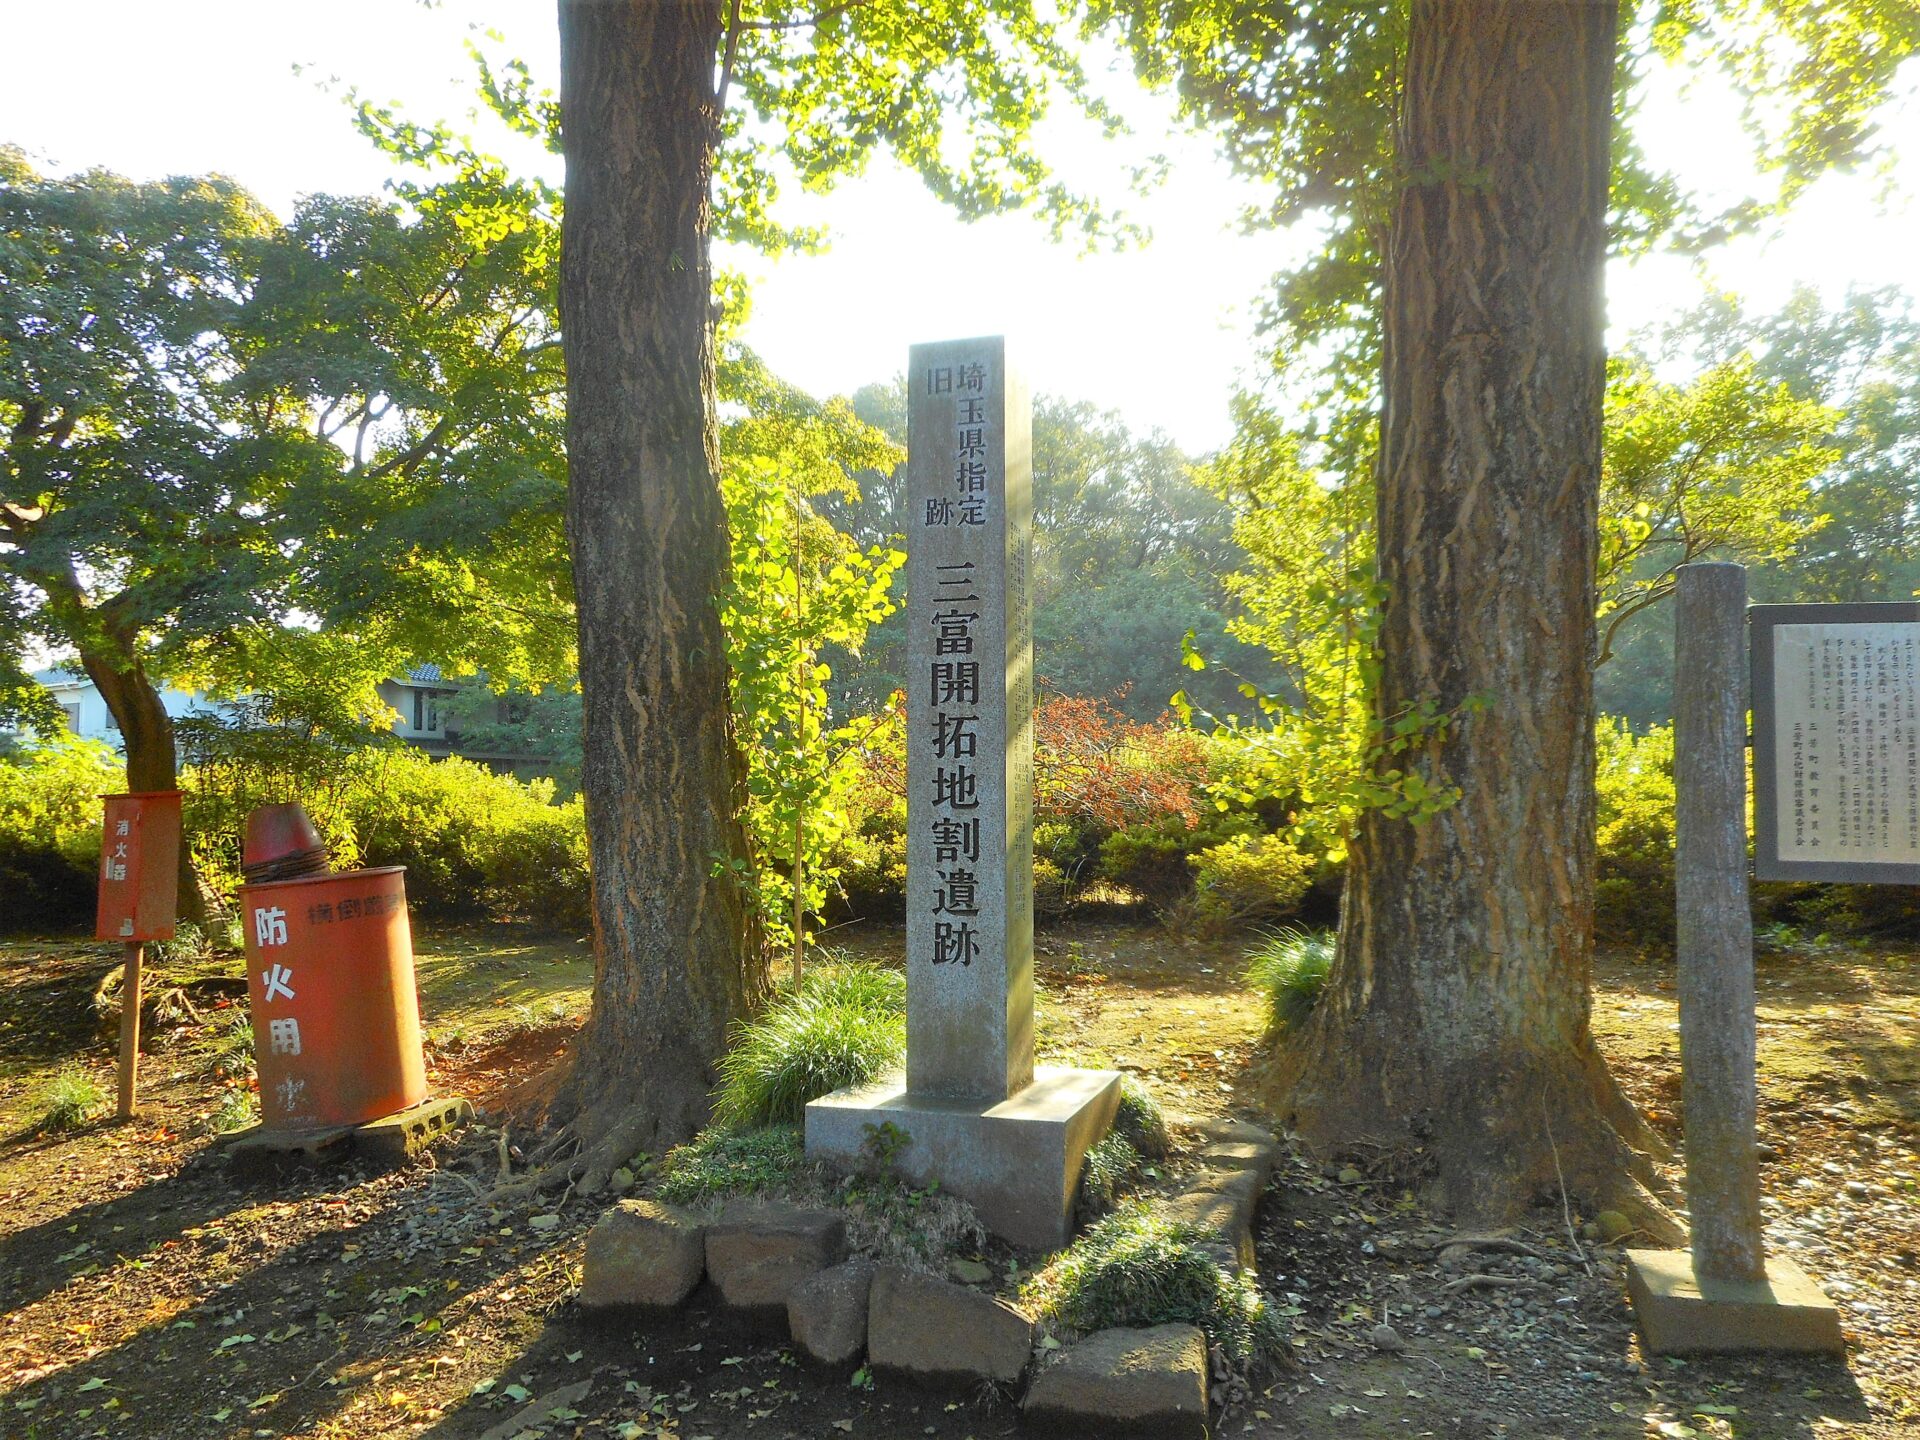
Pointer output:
1016, 1162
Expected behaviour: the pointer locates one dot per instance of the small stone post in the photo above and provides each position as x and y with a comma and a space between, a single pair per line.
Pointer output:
1715, 925
1725, 1295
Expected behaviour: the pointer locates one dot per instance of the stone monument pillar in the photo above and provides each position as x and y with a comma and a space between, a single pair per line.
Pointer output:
1724, 1294
977, 1115
969, 724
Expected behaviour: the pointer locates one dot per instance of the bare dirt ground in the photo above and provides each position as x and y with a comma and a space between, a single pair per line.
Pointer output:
147, 1291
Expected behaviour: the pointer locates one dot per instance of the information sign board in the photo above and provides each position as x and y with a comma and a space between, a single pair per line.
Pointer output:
1836, 742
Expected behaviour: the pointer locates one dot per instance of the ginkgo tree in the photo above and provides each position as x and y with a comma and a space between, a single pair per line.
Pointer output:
676, 123
1468, 178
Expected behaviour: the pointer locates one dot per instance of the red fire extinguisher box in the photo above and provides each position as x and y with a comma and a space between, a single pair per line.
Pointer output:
139, 867
336, 1022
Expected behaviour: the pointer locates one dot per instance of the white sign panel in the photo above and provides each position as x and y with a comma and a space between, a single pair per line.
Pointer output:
1837, 742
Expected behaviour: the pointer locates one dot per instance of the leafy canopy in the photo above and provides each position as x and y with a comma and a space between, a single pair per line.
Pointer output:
217, 427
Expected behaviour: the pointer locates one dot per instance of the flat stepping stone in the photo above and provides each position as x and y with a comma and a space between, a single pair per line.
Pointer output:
1222, 1196
758, 1252
938, 1332
1150, 1382
827, 1313
642, 1252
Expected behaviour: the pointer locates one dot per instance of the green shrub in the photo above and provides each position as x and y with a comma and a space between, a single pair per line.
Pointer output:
771, 1159
69, 1100
1250, 877
1289, 970
472, 841
1633, 887
1138, 1268
1154, 860
845, 1025
50, 830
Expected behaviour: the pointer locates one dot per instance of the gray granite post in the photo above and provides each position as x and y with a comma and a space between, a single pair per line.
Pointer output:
969, 723
1715, 925
1726, 1294
972, 1112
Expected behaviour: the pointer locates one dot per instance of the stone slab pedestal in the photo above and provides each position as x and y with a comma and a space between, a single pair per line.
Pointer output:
1016, 1162
1680, 1314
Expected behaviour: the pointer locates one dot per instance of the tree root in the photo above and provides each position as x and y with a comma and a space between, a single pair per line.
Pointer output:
1487, 1242
1487, 1282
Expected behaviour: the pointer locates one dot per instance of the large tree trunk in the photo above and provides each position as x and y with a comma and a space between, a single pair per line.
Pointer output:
663, 777
1455, 1025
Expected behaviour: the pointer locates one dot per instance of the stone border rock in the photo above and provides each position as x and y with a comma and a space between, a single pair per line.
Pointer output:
1150, 1382
765, 1257
1235, 1166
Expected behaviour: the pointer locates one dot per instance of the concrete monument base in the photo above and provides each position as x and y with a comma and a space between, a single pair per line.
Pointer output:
1017, 1162
1680, 1314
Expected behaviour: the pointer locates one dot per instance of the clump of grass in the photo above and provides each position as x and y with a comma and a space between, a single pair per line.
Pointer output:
1289, 969
720, 1162
1109, 1168
886, 1217
1141, 1121
229, 1051
237, 1110
189, 943
1138, 1268
844, 1025
69, 1100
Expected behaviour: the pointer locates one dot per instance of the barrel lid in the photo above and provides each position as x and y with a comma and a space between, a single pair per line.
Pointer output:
332, 877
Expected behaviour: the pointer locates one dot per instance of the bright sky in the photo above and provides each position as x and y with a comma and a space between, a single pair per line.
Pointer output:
1158, 333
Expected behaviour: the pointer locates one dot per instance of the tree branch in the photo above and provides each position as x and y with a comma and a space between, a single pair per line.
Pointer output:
726, 65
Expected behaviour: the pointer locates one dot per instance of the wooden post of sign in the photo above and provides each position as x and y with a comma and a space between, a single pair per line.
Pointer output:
130, 1030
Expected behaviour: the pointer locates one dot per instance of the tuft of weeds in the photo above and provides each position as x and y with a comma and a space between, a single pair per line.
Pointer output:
190, 943
70, 1100
1140, 1119
886, 1217
238, 1109
1289, 969
1138, 1268
229, 1050
844, 1025
719, 1162
1108, 1170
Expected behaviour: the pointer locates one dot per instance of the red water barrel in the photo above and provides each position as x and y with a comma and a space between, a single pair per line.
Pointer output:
336, 1022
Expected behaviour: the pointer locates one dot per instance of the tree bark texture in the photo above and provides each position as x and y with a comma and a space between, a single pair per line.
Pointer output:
1455, 1024
663, 777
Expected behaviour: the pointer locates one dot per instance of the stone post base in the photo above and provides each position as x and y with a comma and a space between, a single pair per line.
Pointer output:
1680, 1314
1016, 1162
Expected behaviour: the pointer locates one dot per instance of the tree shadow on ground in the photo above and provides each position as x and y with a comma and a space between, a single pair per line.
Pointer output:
135, 1223
281, 1347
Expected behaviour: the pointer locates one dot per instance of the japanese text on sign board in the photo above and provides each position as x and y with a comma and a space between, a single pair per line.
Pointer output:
1847, 742
952, 615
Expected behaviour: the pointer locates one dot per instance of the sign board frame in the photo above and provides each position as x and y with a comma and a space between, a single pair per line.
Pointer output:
1768, 864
